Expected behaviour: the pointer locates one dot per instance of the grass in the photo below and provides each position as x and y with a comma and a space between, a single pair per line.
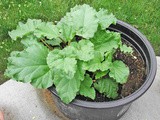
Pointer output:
142, 14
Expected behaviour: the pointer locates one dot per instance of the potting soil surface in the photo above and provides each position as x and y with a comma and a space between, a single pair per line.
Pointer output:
19, 101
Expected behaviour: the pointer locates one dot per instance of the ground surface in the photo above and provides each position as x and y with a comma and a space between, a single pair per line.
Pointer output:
142, 14
21, 101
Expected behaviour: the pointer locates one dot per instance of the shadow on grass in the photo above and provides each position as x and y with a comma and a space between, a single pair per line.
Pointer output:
3, 79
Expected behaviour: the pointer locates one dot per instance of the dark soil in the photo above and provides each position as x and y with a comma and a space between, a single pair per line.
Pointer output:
137, 71
136, 78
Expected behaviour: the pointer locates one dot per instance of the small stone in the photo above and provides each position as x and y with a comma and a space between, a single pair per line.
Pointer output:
33, 118
134, 57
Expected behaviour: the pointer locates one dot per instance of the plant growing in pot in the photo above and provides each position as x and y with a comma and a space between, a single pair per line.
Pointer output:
94, 69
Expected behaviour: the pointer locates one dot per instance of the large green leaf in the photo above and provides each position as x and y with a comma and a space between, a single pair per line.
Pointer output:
97, 63
84, 50
106, 40
56, 54
23, 29
86, 89
54, 42
109, 55
29, 41
119, 71
105, 18
100, 74
68, 65
67, 88
108, 87
80, 71
39, 29
67, 31
47, 30
94, 64
57, 61
32, 40
30, 65
83, 19
66, 59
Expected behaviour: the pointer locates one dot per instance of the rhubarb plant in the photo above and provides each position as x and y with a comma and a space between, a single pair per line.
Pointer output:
75, 55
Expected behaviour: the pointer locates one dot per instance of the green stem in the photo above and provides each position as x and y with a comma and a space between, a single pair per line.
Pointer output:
61, 39
69, 43
93, 75
46, 44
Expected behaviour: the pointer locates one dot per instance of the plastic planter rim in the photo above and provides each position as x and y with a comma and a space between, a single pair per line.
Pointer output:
149, 79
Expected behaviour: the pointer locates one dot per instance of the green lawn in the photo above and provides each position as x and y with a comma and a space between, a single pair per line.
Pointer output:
142, 14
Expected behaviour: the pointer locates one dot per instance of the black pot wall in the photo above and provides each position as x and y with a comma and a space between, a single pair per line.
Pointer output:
75, 112
82, 110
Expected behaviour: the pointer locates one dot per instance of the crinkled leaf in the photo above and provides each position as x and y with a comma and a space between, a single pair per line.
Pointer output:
108, 87
68, 65
83, 19
119, 71
96, 63
67, 88
53, 42
30, 65
80, 71
56, 61
86, 89
100, 74
23, 29
124, 48
67, 31
84, 50
52, 56
109, 55
106, 41
105, 18
47, 30
29, 41
105, 65
60, 54
32, 40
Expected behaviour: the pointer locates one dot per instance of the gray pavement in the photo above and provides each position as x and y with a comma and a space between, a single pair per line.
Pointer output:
21, 101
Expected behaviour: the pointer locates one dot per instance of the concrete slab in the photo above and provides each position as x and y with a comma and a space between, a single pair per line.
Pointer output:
21, 101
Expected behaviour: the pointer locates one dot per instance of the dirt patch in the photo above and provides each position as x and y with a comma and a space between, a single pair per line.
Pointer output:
2, 78
137, 71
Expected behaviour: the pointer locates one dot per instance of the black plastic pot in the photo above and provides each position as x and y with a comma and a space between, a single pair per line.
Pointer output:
82, 110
